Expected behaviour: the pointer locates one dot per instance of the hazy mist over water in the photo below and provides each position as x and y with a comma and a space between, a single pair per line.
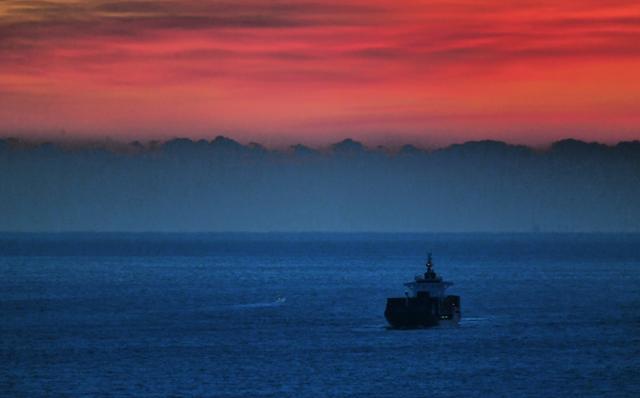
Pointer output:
221, 185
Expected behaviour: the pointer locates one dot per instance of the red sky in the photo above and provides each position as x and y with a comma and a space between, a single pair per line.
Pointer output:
312, 71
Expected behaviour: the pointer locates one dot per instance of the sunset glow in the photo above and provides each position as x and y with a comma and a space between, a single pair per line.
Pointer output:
433, 72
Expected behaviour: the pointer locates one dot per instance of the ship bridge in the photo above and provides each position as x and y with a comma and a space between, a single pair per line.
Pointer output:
429, 282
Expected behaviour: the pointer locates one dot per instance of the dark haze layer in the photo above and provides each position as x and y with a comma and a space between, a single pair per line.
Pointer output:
221, 185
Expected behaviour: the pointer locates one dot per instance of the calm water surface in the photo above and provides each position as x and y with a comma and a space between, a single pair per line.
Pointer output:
302, 315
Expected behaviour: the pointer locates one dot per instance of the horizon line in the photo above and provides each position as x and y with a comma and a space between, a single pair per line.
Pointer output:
317, 232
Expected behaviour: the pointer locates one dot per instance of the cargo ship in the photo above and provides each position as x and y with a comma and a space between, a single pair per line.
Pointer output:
425, 303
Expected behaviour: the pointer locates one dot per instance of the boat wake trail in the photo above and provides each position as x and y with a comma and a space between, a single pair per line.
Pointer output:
476, 320
276, 303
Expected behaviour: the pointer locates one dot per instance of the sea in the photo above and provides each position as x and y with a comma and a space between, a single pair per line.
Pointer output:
301, 315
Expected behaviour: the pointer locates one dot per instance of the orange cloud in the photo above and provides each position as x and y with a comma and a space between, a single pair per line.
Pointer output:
311, 71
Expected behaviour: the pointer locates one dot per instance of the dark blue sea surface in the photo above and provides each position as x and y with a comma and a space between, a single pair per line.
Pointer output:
301, 315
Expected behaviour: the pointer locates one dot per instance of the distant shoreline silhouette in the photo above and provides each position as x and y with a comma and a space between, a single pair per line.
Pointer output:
344, 145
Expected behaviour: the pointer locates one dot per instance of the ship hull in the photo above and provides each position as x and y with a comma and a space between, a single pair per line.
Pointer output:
421, 312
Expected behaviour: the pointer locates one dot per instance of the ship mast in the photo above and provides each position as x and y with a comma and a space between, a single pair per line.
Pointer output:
430, 274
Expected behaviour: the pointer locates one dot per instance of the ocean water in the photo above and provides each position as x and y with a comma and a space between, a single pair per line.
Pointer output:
301, 315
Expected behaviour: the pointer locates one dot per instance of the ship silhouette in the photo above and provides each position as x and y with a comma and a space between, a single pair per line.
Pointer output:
425, 303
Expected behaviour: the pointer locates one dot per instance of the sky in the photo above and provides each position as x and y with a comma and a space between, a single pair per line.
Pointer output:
309, 71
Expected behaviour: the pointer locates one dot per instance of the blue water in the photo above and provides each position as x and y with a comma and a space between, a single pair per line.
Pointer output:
302, 315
